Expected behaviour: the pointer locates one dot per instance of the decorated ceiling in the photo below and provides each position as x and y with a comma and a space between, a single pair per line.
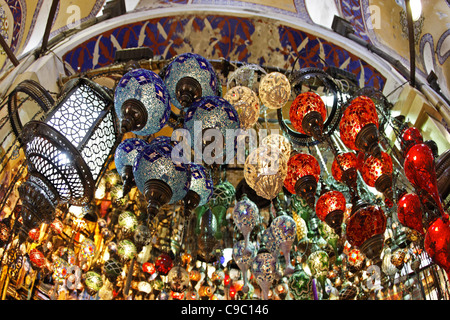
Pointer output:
379, 22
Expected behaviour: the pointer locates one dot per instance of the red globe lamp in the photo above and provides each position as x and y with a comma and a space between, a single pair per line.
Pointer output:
330, 208
344, 169
378, 173
437, 242
163, 264
409, 212
410, 137
420, 171
359, 126
148, 267
365, 229
308, 114
302, 177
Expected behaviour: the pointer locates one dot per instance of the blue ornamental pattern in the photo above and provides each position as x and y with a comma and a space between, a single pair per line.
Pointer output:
194, 66
201, 183
283, 229
245, 215
155, 162
213, 112
146, 86
126, 152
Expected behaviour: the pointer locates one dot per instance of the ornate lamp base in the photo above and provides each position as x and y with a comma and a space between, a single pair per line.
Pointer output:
334, 220
367, 141
306, 188
372, 247
157, 193
312, 124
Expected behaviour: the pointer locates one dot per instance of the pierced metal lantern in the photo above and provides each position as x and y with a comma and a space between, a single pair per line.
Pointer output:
188, 77
142, 102
67, 152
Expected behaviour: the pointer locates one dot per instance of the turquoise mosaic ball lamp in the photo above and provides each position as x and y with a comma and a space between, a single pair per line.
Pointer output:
142, 102
159, 178
188, 77
124, 157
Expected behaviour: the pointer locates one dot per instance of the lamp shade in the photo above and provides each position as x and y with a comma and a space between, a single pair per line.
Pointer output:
274, 90
437, 240
358, 127
246, 103
420, 171
264, 270
124, 156
302, 176
284, 230
410, 137
378, 173
409, 212
200, 189
341, 163
66, 152
308, 114
217, 114
188, 77
330, 207
159, 178
365, 230
245, 217
265, 170
142, 102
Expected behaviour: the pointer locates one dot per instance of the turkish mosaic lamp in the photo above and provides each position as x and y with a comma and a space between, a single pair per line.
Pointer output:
142, 102
188, 77
124, 157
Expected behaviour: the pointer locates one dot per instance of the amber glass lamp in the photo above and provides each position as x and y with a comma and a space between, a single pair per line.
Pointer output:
308, 114
330, 208
302, 177
358, 127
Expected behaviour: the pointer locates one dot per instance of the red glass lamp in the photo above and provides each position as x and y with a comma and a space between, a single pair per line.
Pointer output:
378, 173
302, 177
330, 208
420, 171
365, 229
308, 113
359, 126
437, 242
409, 212
344, 169
410, 137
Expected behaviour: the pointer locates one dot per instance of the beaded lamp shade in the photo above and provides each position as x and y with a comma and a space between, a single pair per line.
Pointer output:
308, 114
246, 103
188, 77
212, 112
66, 153
330, 208
279, 142
264, 270
274, 90
159, 178
200, 190
302, 176
378, 173
265, 170
421, 172
142, 102
409, 212
409, 137
125, 154
365, 230
359, 126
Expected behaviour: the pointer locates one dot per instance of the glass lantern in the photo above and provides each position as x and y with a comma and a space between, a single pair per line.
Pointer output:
66, 153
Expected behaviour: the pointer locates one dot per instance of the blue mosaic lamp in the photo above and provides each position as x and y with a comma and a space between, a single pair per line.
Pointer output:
142, 102
159, 178
125, 154
188, 77
201, 188
212, 112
